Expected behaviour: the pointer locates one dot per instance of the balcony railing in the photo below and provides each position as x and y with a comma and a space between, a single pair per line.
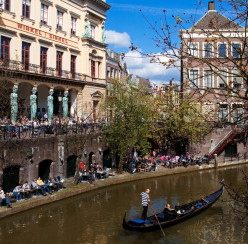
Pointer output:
13, 132
37, 69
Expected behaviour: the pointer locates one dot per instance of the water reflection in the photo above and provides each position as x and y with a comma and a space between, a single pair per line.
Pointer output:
96, 217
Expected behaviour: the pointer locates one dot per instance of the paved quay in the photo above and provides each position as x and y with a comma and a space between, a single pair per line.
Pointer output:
73, 190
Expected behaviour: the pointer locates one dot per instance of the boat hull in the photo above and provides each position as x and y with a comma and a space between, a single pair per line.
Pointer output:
187, 211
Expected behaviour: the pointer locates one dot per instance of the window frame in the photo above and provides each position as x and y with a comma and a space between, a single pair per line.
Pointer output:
59, 62
42, 56
239, 83
6, 3
42, 12
220, 81
93, 68
24, 8
222, 56
194, 52
234, 50
238, 109
73, 65
204, 78
223, 118
24, 52
208, 51
73, 25
59, 19
3, 49
191, 80
92, 31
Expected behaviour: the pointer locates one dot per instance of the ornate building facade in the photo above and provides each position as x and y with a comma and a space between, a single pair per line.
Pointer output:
212, 51
54, 55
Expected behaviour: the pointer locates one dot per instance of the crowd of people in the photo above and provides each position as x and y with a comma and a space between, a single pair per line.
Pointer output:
37, 187
172, 161
134, 164
96, 172
41, 124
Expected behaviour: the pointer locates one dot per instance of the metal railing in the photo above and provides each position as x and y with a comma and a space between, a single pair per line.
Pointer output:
10, 132
37, 69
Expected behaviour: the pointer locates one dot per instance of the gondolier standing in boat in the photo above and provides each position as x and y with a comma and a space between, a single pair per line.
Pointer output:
145, 200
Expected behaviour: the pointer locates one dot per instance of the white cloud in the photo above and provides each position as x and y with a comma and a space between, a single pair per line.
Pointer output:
117, 39
156, 72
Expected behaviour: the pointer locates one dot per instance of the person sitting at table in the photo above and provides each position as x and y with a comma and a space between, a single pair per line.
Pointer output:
61, 182
49, 183
26, 189
105, 173
43, 185
17, 192
92, 175
4, 200
80, 175
56, 184
35, 188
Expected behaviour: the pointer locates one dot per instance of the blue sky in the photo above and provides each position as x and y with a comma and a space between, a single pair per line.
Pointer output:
125, 24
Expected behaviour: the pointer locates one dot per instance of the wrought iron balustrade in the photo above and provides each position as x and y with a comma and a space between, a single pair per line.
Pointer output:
12, 132
13, 65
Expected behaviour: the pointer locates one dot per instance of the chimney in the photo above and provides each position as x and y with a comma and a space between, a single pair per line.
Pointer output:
211, 5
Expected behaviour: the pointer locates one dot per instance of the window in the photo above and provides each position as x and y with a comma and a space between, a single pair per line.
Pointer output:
73, 25
223, 112
222, 50
236, 50
208, 78
73, 66
6, 5
237, 112
93, 68
222, 79
237, 79
207, 50
44, 14
193, 49
92, 31
25, 55
59, 20
43, 60
26, 8
59, 63
193, 76
5, 50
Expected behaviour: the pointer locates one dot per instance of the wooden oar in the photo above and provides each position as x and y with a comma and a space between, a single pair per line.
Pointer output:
157, 220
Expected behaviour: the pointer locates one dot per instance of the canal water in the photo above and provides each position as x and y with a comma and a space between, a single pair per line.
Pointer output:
96, 217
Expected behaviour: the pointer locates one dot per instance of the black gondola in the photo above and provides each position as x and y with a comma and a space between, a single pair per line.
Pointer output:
180, 214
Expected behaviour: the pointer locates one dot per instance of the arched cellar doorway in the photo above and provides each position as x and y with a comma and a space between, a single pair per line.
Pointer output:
10, 178
107, 159
231, 149
90, 159
44, 169
71, 166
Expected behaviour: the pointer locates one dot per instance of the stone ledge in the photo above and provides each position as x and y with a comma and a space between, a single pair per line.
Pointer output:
74, 190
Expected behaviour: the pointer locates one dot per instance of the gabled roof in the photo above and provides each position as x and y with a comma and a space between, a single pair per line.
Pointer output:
214, 20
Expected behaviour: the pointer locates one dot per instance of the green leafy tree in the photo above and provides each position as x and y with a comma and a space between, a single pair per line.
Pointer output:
129, 106
179, 120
